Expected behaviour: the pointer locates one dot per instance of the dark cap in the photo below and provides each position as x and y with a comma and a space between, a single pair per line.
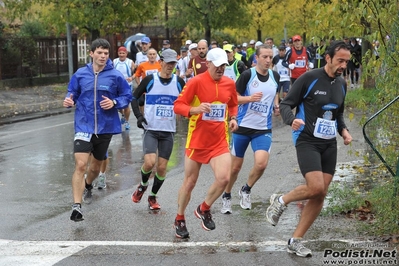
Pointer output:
239, 46
281, 47
165, 42
183, 49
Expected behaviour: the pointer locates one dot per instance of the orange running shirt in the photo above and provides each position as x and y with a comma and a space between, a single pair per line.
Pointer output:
205, 133
146, 69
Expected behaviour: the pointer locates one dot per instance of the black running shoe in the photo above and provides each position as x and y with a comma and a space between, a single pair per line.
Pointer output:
181, 229
206, 217
77, 214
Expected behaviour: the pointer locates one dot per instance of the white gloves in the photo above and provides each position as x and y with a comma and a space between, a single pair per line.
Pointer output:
311, 65
291, 66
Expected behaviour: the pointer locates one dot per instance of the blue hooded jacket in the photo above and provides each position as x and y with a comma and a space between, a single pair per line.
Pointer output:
88, 88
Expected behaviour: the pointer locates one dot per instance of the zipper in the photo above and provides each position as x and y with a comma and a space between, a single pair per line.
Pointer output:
95, 102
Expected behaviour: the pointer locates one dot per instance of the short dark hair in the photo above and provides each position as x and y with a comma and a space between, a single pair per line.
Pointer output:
100, 43
335, 46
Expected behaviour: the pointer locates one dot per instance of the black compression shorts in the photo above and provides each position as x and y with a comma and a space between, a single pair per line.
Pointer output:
98, 146
317, 156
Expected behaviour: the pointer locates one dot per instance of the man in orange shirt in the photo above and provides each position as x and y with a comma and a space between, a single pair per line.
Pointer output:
210, 101
149, 67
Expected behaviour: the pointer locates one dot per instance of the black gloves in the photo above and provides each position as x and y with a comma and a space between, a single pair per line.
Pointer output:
140, 121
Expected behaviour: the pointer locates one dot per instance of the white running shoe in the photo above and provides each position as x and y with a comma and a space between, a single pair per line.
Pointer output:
296, 247
245, 200
226, 207
275, 209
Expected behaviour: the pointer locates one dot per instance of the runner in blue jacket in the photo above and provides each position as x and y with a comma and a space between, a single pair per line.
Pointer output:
98, 91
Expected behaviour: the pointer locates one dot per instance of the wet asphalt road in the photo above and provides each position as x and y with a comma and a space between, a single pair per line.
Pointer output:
35, 198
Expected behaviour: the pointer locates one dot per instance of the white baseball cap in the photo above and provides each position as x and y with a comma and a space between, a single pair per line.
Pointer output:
192, 46
189, 42
258, 43
244, 44
217, 56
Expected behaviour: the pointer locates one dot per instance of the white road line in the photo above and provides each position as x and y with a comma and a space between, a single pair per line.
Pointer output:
40, 253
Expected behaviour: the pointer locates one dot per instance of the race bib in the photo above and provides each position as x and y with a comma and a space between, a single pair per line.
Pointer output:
151, 71
83, 136
164, 112
325, 129
283, 72
300, 63
216, 114
259, 108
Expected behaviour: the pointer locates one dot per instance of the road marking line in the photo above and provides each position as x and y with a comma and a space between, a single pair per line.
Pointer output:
40, 253
39, 245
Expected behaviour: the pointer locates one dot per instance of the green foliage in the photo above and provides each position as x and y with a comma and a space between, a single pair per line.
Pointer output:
32, 29
89, 16
208, 15
362, 98
385, 209
341, 198
378, 208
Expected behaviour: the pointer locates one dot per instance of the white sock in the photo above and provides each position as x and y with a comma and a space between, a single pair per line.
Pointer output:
280, 199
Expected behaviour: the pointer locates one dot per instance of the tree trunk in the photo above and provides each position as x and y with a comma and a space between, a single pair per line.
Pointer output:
369, 82
208, 35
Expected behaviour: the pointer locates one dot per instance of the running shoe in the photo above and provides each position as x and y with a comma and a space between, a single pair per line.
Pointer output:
275, 209
153, 203
296, 247
206, 217
77, 214
138, 194
226, 206
245, 199
87, 196
123, 120
181, 229
101, 181
127, 126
